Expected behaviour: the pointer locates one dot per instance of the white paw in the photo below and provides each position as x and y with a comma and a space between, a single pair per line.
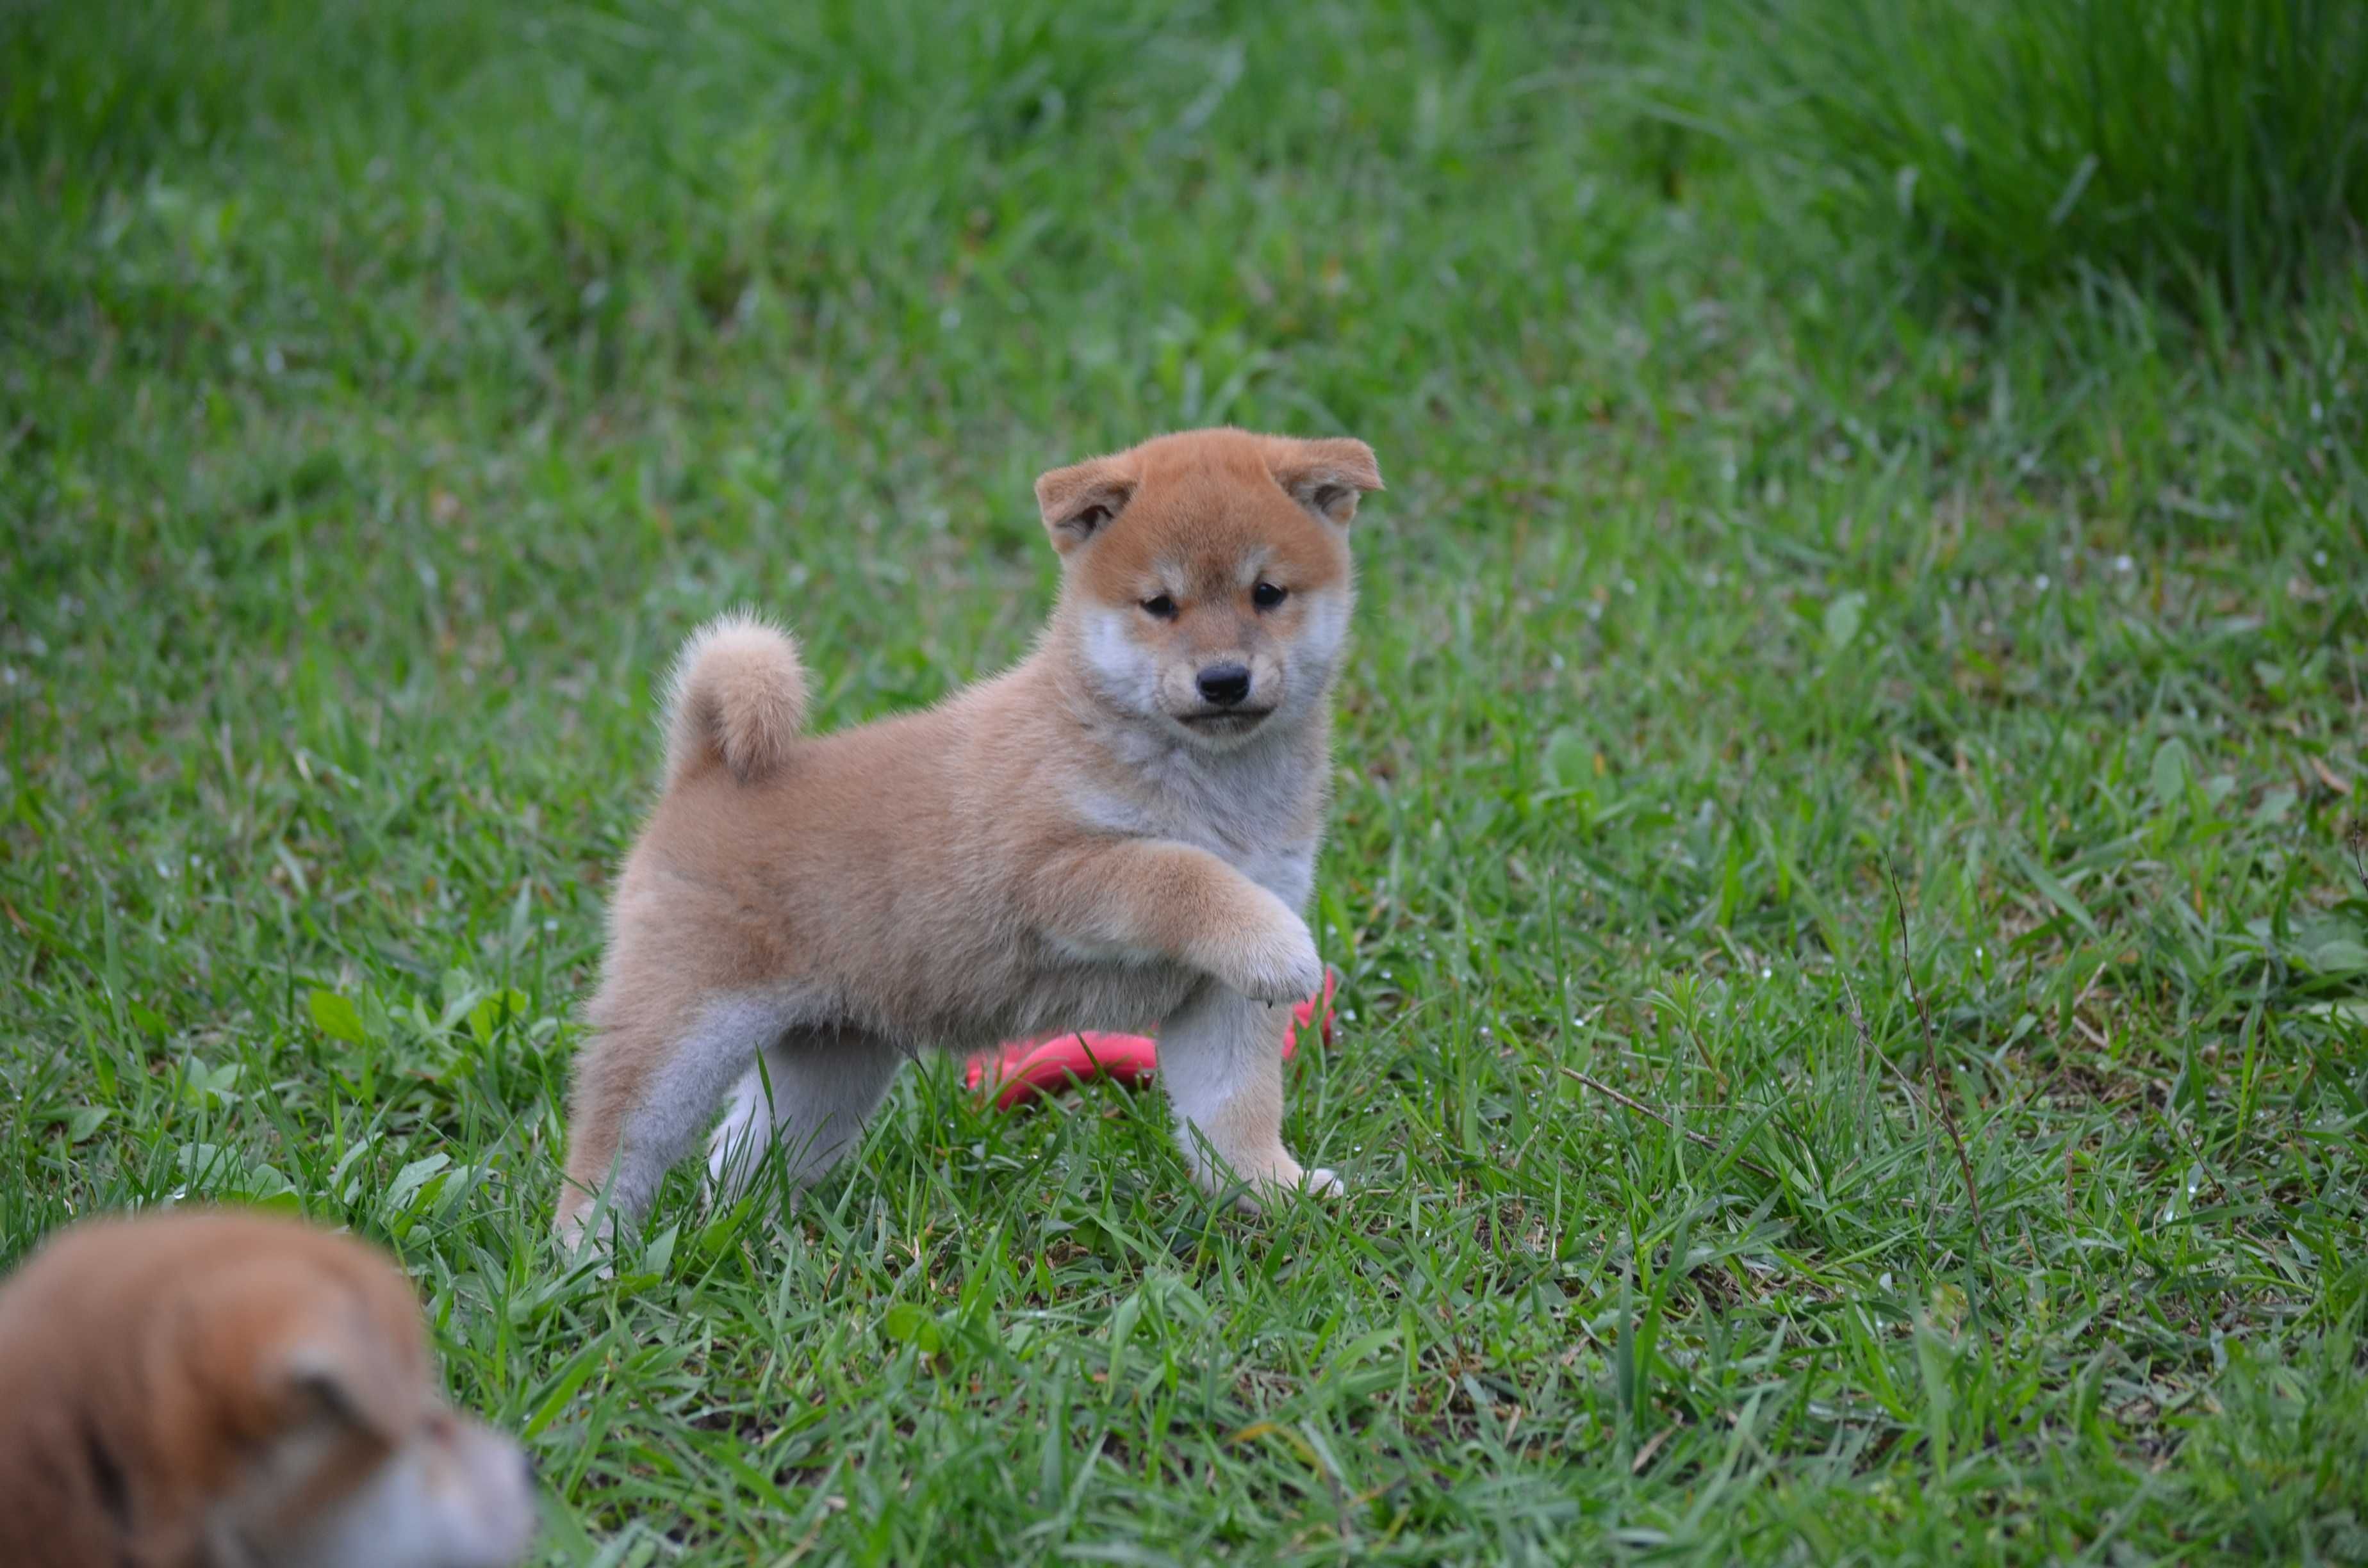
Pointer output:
1286, 1183
580, 1244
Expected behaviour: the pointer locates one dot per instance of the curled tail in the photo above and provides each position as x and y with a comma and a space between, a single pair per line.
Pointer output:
738, 698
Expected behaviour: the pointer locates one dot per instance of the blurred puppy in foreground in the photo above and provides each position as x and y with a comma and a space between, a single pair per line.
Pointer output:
1117, 834
233, 1390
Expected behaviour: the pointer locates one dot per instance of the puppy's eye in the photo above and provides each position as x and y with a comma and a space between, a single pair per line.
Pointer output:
1159, 607
1266, 595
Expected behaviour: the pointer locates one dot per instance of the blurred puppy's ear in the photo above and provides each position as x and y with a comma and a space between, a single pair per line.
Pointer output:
342, 1370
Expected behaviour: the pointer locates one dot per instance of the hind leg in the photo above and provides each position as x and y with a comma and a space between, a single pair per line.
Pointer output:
1221, 1059
645, 1085
810, 1093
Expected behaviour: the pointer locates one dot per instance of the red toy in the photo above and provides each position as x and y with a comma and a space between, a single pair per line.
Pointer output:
1021, 1071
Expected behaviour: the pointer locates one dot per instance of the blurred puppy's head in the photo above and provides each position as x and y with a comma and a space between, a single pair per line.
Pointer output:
246, 1391
1207, 576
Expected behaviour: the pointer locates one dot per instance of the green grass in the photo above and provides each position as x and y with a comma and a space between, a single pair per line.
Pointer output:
386, 389
2213, 149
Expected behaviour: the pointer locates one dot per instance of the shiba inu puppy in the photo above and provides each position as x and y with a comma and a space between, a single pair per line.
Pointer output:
231, 1390
1119, 833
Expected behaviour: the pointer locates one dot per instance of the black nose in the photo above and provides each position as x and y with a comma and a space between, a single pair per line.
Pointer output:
1224, 685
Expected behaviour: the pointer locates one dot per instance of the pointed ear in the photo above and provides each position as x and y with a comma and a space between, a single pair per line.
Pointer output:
1080, 501
1328, 477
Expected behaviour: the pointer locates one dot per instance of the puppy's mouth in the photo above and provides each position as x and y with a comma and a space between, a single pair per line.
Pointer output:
1224, 720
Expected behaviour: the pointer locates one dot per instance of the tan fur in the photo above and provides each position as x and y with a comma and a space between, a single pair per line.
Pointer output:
231, 1390
738, 698
1085, 840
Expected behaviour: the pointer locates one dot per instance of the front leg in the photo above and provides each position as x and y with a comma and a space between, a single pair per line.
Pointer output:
1221, 1059
1134, 898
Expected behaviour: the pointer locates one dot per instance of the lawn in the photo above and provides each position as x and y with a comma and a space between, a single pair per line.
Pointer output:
1855, 1035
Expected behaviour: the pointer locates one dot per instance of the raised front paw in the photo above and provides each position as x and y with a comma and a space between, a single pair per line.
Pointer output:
1278, 964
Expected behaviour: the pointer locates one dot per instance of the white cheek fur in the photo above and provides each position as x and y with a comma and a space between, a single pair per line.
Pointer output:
1322, 634
424, 1510
1122, 667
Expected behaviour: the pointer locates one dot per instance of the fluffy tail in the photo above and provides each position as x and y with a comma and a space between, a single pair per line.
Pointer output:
739, 698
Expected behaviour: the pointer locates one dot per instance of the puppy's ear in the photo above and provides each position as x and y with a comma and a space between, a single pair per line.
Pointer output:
1080, 501
1328, 477
342, 1370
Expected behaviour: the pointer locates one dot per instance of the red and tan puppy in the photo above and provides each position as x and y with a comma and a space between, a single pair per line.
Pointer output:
1119, 833
233, 1390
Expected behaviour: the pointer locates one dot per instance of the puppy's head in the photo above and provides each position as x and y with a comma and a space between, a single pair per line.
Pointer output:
316, 1357
1207, 575
262, 1391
